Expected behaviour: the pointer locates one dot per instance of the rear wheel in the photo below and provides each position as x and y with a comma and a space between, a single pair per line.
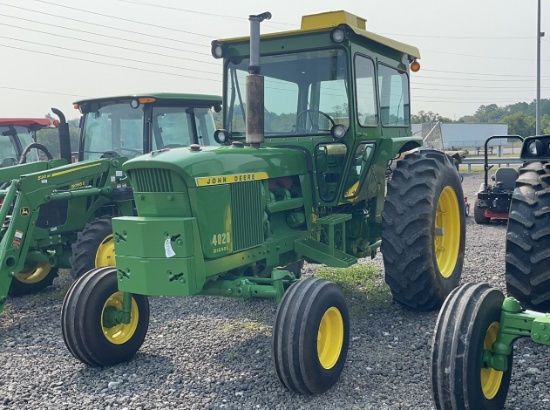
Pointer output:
94, 247
467, 325
479, 210
311, 336
32, 279
423, 230
528, 238
90, 320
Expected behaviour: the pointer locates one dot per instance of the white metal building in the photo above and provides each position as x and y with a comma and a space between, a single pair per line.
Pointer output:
459, 135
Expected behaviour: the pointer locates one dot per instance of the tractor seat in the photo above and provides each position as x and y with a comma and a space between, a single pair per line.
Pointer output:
505, 178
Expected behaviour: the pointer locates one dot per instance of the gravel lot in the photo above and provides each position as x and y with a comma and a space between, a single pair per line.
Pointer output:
210, 353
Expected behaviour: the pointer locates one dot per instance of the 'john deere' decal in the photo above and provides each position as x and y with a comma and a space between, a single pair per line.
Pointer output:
230, 179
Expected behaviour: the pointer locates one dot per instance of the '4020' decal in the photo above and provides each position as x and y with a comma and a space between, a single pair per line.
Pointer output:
220, 242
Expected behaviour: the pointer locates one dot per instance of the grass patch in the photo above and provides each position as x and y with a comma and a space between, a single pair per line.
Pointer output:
233, 355
48, 294
363, 285
247, 326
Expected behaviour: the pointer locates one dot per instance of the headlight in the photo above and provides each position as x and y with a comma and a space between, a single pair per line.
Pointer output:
221, 136
338, 131
338, 35
535, 148
217, 49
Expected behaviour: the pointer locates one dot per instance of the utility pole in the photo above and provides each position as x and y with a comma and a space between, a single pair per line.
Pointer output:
540, 35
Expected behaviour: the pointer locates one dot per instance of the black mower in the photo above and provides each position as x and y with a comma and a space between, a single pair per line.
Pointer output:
493, 200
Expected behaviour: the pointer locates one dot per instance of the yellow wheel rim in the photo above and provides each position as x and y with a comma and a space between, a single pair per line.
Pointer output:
34, 274
330, 338
105, 255
447, 232
490, 378
122, 332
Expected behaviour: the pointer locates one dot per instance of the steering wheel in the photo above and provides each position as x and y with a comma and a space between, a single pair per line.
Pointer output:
315, 126
134, 152
40, 147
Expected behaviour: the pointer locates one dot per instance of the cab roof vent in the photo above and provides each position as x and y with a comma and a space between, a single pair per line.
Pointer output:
332, 19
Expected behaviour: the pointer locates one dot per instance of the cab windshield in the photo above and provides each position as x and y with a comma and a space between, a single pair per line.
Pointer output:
10, 138
305, 93
119, 129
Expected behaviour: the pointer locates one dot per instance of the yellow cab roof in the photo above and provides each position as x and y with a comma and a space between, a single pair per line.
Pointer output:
322, 21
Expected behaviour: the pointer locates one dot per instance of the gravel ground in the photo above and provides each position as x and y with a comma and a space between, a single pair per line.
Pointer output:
210, 353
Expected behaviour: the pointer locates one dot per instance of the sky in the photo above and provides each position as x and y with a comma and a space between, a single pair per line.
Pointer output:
55, 52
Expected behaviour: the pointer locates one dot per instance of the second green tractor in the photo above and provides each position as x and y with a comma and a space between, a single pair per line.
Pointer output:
57, 213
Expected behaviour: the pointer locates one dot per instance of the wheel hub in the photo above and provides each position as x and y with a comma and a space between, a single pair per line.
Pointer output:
330, 338
35, 273
114, 331
490, 378
447, 232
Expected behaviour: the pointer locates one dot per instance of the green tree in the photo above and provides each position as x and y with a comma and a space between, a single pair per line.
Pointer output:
429, 116
545, 124
520, 123
49, 137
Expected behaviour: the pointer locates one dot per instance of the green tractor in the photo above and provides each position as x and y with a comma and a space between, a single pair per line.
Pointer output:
472, 352
20, 155
57, 214
300, 175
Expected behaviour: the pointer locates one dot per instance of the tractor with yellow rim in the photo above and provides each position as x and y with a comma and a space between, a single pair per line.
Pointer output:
22, 154
472, 352
57, 213
313, 119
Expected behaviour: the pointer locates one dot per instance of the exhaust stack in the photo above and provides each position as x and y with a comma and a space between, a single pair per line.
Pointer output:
255, 85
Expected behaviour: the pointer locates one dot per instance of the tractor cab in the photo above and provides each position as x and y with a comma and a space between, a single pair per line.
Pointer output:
136, 124
332, 89
15, 135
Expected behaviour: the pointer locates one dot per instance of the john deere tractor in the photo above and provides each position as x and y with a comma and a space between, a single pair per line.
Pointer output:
57, 214
301, 174
20, 155
472, 353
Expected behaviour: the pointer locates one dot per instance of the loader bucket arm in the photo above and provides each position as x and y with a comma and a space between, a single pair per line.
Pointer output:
21, 208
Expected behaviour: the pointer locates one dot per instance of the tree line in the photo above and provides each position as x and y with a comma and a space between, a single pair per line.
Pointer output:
520, 117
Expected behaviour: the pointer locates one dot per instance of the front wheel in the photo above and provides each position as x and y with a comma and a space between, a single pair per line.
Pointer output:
423, 230
467, 325
32, 279
311, 336
91, 320
479, 213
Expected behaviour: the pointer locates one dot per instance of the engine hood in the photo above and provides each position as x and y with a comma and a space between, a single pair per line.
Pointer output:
198, 167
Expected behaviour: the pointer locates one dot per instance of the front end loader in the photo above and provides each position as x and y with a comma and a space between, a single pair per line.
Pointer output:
57, 214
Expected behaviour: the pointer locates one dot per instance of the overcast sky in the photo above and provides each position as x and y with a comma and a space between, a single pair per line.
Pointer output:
57, 51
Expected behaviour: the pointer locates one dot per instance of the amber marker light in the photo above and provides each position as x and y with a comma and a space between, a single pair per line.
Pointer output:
145, 100
75, 106
415, 66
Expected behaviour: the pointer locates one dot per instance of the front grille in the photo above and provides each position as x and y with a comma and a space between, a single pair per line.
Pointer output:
151, 180
246, 215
